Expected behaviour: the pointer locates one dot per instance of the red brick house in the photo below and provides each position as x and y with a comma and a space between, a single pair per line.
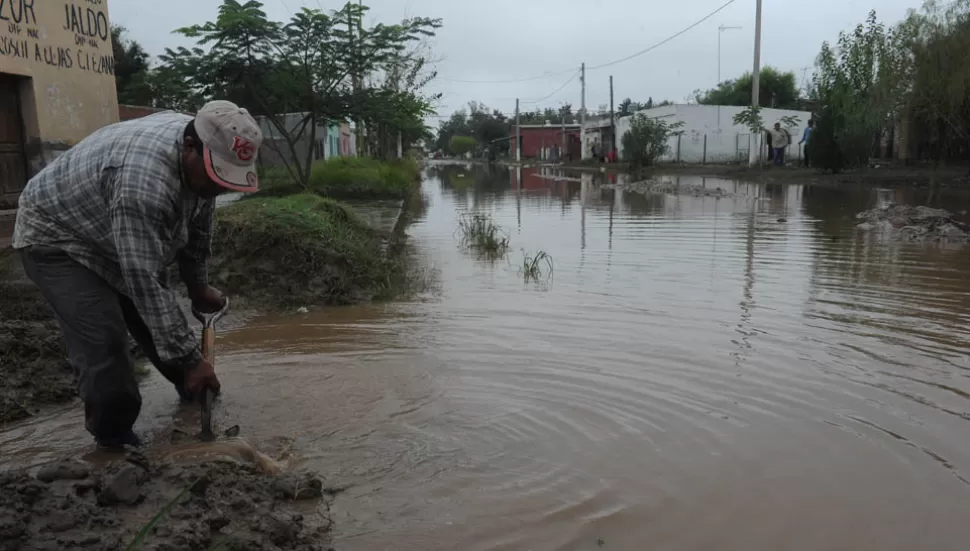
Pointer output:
538, 141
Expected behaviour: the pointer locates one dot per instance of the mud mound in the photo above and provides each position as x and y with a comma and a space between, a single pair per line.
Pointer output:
297, 250
68, 506
915, 224
33, 363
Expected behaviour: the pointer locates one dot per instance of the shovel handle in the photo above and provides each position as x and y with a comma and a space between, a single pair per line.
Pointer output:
209, 320
208, 352
209, 344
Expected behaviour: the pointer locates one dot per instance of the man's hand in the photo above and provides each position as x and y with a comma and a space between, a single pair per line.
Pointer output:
200, 377
207, 299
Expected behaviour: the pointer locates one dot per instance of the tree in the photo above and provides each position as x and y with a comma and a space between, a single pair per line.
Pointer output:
407, 73
855, 87
487, 129
628, 107
457, 124
646, 141
776, 89
301, 67
936, 92
131, 69
460, 145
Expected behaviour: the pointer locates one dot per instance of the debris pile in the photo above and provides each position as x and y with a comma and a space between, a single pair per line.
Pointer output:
915, 224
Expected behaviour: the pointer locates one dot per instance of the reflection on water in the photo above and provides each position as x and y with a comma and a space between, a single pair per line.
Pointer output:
735, 373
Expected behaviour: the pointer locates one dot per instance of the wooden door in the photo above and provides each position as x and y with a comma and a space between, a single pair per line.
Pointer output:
13, 161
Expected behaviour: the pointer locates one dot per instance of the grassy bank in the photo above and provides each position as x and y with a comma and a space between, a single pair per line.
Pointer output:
347, 178
298, 250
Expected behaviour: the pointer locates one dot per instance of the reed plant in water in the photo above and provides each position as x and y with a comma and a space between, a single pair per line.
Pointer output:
480, 233
536, 267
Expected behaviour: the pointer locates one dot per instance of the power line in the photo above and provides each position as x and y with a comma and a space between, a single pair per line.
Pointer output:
572, 78
666, 40
627, 58
546, 75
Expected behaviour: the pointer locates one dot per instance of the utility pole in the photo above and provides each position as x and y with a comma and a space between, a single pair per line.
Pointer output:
562, 152
355, 77
518, 134
612, 117
582, 114
805, 79
754, 152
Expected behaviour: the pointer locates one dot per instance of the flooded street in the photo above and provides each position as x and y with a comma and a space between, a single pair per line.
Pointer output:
733, 373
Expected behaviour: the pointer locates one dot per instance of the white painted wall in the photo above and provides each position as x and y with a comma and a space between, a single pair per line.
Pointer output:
725, 140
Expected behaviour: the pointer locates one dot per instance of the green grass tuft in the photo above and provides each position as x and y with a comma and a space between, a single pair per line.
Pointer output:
142, 534
346, 178
536, 267
139, 540
481, 234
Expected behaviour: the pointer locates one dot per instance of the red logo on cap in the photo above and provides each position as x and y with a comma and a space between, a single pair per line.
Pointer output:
243, 149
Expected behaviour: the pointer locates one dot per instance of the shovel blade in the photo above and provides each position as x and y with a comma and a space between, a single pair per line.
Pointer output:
207, 435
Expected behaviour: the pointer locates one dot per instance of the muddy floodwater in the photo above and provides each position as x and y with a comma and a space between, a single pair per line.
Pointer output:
738, 372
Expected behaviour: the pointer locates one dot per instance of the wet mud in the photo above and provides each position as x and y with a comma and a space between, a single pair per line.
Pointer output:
915, 224
670, 187
33, 363
73, 505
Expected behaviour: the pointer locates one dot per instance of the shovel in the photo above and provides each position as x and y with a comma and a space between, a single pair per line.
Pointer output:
208, 352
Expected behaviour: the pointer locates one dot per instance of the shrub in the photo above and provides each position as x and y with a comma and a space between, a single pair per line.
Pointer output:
646, 140
459, 145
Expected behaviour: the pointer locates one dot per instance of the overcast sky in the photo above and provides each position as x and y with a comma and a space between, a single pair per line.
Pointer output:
504, 40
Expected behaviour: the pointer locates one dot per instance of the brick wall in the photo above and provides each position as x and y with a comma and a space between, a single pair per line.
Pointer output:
129, 112
534, 139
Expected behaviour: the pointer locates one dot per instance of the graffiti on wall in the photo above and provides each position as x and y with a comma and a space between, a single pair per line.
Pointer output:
83, 30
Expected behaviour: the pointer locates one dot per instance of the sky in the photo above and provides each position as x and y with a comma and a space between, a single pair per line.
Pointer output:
541, 44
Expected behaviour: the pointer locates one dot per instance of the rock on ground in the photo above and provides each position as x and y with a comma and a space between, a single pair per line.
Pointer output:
915, 224
67, 506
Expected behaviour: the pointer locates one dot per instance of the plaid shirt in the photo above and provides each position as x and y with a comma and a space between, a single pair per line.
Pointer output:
116, 204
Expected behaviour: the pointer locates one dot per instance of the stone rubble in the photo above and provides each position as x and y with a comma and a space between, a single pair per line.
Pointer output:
914, 224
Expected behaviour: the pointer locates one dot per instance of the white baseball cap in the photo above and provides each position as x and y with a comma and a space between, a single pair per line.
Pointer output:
231, 139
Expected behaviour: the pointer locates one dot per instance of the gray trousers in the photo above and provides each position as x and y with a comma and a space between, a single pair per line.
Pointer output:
95, 320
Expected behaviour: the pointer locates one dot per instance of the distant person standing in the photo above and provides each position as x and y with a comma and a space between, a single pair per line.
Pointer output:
806, 153
779, 141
